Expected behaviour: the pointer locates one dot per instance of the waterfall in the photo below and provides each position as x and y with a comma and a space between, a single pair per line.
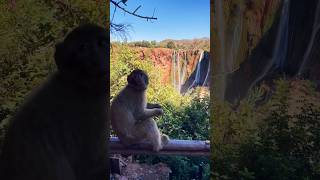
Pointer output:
197, 79
235, 43
221, 84
179, 69
207, 75
315, 29
199, 76
281, 48
184, 68
174, 69
198, 72
229, 41
281, 44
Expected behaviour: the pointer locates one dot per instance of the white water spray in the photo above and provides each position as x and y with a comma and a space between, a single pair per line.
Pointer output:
281, 44
196, 80
316, 27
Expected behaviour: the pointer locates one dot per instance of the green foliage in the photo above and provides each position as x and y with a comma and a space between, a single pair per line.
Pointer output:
189, 122
282, 145
171, 45
148, 44
182, 167
186, 44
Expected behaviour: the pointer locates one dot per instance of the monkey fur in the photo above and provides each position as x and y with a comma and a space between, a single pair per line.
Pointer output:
132, 117
60, 132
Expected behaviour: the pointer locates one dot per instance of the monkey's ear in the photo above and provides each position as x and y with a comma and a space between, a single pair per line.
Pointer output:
60, 55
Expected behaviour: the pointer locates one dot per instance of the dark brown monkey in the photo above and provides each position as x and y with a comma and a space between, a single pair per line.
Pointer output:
131, 115
60, 132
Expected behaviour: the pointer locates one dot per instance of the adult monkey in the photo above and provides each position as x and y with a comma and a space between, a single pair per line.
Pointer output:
60, 133
132, 117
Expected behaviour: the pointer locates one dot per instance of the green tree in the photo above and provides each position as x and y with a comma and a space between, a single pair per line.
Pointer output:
171, 45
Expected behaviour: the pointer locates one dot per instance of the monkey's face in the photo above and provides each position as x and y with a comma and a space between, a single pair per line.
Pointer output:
85, 50
138, 80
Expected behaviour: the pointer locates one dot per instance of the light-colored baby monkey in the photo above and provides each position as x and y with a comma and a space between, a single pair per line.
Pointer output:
132, 117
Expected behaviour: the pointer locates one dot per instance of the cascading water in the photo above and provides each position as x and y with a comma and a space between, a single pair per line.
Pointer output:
184, 69
235, 42
315, 30
199, 76
221, 83
281, 47
275, 42
281, 44
179, 70
229, 44
206, 79
174, 69
198, 72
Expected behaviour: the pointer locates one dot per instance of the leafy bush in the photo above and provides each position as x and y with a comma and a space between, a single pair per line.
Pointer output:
189, 122
171, 45
283, 145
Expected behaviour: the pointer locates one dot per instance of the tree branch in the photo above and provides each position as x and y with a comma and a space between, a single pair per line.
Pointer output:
117, 4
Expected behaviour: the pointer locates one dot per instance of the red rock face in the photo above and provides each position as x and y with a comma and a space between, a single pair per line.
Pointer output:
163, 59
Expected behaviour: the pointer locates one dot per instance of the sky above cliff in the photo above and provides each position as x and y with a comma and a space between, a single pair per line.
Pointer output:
177, 19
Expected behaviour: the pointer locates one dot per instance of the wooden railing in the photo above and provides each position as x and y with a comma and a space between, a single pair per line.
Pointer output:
174, 147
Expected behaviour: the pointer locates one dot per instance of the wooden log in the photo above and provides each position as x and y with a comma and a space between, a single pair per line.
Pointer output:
174, 147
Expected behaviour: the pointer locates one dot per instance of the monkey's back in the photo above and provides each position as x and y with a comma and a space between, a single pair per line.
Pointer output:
51, 133
124, 108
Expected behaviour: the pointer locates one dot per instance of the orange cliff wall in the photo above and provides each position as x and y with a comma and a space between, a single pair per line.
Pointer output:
162, 59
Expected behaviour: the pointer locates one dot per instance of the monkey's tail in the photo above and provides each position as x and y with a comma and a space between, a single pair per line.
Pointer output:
164, 139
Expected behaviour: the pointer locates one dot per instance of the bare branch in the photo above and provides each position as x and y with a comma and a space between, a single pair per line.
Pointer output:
114, 12
137, 9
117, 4
120, 30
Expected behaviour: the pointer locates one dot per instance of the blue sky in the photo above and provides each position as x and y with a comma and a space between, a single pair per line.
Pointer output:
177, 19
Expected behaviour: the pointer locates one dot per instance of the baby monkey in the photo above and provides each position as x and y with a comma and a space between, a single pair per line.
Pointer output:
132, 117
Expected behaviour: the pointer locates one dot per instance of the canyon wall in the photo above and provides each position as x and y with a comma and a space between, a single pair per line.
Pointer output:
184, 69
287, 45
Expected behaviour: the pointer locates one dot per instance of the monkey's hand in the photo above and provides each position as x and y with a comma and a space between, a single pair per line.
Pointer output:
148, 113
159, 112
151, 106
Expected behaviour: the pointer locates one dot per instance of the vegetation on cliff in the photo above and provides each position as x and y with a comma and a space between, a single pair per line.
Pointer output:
185, 44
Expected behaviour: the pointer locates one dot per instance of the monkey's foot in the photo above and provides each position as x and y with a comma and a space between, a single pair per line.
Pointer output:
164, 139
157, 148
